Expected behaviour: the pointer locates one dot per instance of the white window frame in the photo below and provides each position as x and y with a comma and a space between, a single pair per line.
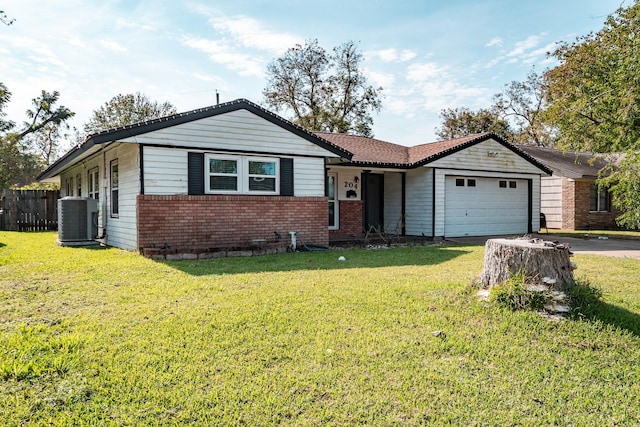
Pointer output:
243, 176
334, 200
79, 184
208, 174
114, 180
93, 183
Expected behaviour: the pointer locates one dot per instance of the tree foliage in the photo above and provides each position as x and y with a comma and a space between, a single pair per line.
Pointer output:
459, 122
594, 99
21, 159
524, 103
594, 93
324, 92
123, 110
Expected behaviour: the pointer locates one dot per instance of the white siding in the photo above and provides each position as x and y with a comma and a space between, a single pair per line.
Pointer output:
165, 173
121, 231
348, 185
238, 130
308, 176
419, 198
551, 201
392, 202
489, 156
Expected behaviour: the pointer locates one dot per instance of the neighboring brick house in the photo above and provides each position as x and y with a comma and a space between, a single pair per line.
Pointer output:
571, 199
237, 176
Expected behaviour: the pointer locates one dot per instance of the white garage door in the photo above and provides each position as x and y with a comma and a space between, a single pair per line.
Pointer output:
485, 206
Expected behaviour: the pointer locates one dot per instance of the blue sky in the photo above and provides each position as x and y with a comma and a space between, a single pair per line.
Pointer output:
427, 55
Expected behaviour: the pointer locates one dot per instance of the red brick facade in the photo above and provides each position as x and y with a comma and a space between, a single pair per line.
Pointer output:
576, 214
350, 220
213, 221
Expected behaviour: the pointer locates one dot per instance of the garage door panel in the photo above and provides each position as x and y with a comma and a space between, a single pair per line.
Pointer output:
486, 208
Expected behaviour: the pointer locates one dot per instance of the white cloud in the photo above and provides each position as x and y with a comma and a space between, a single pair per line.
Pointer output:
384, 80
112, 45
524, 45
496, 41
75, 41
423, 72
222, 53
429, 87
525, 51
393, 55
252, 34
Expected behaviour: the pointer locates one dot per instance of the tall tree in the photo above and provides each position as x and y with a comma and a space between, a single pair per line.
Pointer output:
323, 92
524, 103
594, 97
459, 122
44, 131
19, 164
123, 110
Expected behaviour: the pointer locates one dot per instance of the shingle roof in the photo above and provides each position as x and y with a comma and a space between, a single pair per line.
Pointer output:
369, 150
374, 152
570, 164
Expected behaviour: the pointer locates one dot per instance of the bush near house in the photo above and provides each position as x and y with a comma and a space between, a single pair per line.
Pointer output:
386, 337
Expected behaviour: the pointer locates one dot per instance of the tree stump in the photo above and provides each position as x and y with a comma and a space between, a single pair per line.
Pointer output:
536, 258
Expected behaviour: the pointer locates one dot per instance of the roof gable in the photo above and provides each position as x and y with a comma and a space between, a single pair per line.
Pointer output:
128, 133
373, 152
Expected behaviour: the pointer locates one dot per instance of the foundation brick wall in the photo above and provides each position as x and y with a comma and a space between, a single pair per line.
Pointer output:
213, 221
350, 220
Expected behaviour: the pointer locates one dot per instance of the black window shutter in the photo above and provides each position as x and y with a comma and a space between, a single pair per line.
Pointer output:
286, 176
195, 167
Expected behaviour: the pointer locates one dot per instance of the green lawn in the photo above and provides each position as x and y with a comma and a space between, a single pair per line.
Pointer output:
594, 234
107, 337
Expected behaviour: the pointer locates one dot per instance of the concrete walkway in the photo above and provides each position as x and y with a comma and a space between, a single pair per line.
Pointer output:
606, 247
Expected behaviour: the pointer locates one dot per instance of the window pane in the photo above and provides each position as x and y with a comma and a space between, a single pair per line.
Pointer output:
332, 214
459, 182
331, 187
603, 202
114, 202
593, 198
223, 166
503, 184
226, 183
262, 184
471, 182
262, 168
512, 184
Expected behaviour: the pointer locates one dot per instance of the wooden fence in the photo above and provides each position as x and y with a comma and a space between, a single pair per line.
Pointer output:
29, 210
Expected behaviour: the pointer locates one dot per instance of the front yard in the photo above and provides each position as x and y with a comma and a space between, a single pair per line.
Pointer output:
107, 337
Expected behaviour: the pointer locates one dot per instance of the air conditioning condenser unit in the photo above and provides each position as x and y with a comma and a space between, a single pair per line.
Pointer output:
77, 221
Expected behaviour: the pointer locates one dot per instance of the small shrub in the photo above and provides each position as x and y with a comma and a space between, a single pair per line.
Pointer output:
514, 294
583, 298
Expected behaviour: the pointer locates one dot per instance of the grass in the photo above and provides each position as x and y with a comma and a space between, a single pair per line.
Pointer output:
107, 337
594, 234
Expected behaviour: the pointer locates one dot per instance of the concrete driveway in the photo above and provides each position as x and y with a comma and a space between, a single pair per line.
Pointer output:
606, 247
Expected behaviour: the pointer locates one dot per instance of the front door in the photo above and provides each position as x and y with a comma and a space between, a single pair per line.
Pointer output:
373, 201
